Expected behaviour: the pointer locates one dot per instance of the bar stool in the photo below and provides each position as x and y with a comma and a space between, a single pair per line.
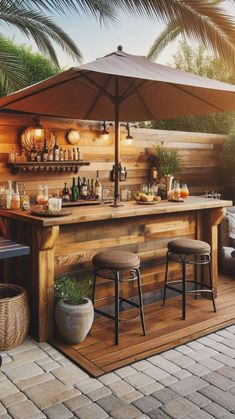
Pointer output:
186, 252
111, 265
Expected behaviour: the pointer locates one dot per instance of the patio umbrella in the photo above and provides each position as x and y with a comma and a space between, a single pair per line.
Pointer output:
122, 87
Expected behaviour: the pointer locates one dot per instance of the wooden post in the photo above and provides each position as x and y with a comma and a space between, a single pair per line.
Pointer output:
43, 273
207, 230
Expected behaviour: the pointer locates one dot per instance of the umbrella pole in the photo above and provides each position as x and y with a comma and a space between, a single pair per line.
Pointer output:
117, 202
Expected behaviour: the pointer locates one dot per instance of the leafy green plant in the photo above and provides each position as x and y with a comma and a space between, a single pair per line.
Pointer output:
71, 290
167, 160
228, 159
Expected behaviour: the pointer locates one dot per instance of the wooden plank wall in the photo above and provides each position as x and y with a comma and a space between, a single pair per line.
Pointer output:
199, 152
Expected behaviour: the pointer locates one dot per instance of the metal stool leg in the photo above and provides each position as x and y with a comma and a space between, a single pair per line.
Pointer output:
166, 277
184, 286
141, 301
117, 277
94, 288
195, 276
211, 283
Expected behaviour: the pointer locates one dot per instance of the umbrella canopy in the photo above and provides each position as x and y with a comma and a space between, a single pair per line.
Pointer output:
122, 87
147, 91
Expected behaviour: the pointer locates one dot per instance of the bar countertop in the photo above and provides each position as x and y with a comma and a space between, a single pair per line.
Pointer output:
106, 212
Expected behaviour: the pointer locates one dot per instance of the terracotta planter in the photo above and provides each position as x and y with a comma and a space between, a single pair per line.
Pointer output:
74, 321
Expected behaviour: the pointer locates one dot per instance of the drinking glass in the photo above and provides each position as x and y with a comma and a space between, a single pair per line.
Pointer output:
54, 204
184, 192
42, 197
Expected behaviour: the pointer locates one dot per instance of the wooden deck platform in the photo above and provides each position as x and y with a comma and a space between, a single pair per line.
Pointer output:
165, 330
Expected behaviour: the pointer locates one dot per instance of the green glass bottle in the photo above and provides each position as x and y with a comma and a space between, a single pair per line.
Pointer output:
74, 191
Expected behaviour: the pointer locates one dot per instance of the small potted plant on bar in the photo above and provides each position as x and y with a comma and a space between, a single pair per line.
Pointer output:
74, 312
168, 162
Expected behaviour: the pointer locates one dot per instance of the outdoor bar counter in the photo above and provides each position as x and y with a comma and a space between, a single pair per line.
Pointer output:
66, 245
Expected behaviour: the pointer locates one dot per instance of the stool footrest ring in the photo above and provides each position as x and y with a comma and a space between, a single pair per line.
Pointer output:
121, 319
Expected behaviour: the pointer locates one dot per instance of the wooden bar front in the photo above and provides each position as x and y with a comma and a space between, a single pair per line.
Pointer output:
65, 245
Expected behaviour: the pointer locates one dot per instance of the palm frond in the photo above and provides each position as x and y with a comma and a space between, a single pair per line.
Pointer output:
205, 23
12, 72
169, 34
39, 27
103, 10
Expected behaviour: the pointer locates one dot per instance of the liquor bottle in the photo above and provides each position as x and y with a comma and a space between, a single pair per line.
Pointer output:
56, 151
45, 151
66, 155
51, 155
79, 185
75, 154
24, 200
65, 193
88, 187
78, 154
92, 193
74, 191
61, 154
33, 153
98, 187
84, 189
70, 154
122, 173
112, 174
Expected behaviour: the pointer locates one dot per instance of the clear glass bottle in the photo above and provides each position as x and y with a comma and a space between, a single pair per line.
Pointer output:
98, 187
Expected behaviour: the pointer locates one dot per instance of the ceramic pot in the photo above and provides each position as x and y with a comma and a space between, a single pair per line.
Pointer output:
74, 321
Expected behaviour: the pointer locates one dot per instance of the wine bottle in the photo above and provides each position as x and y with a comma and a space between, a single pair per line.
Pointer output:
79, 185
98, 187
65, 193
56, 151
74, 191
45, 151
84, 189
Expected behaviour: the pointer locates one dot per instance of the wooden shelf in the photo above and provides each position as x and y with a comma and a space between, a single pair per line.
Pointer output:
48, 166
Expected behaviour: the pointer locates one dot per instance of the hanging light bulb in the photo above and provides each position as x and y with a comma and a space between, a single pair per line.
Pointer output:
104, 132
38, 131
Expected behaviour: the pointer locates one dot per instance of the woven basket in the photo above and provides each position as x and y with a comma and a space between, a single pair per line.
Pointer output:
14, 316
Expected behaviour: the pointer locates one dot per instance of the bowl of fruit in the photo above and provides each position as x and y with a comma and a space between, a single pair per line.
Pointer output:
146, 198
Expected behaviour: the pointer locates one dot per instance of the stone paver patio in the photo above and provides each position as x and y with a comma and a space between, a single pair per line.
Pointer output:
196, 380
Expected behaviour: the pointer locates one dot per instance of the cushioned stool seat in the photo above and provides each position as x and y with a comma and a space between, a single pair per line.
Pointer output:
189, 247
118, 266
194, 252
116, 260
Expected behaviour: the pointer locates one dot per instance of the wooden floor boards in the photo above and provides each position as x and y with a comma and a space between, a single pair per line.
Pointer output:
165, 330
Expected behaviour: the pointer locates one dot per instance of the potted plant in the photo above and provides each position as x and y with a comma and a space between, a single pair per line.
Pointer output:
168, 162
74, 312
227, 163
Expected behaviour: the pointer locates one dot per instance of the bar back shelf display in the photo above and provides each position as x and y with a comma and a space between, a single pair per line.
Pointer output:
48, 166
